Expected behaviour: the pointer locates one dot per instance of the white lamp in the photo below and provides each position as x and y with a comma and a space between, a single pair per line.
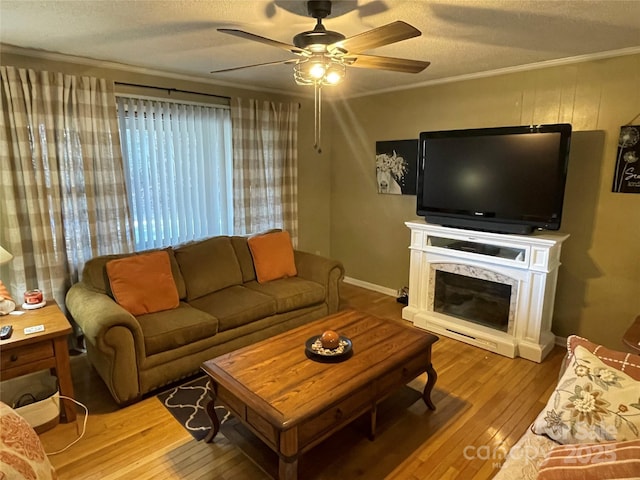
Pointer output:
5, 256
7, 304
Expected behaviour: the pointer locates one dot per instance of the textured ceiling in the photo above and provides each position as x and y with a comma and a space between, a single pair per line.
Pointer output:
459, 37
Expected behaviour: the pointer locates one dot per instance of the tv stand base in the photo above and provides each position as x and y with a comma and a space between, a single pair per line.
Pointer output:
527, 264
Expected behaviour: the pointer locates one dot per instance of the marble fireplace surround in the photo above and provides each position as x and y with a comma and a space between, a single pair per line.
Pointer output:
528, 263
474, 272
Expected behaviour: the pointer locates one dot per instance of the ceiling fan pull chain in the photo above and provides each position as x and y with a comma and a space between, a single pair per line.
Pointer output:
319, 149
317, 117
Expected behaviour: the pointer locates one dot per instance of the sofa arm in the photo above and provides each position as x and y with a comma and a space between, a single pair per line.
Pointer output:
96, 313
113, 338
325, 271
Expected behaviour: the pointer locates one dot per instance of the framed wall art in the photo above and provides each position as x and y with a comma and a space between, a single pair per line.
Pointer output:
626, 177
396, 166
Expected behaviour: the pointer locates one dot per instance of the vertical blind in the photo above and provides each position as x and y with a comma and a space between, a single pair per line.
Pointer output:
178, 168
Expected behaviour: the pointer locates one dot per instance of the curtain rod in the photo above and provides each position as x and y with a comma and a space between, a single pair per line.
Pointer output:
170, 89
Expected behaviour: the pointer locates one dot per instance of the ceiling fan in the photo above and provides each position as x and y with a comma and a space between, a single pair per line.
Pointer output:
321, 43
323, 55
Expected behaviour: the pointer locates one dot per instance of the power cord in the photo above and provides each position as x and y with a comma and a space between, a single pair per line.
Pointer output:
84, 426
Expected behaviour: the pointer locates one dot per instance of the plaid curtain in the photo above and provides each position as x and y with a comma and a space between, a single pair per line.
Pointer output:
63, 198
265, 166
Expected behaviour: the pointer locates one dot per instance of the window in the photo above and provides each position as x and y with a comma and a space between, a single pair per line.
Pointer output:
178, 169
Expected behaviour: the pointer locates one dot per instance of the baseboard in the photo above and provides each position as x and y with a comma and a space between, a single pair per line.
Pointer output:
561, 341
371, 286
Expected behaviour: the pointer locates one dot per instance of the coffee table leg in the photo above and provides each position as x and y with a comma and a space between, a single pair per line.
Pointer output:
374, 416
288, 468
211, 411
288, 455
432, 376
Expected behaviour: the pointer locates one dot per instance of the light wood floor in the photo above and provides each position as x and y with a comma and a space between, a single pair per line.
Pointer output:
484, 403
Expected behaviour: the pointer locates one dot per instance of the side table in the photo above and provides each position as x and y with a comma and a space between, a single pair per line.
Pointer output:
22, 354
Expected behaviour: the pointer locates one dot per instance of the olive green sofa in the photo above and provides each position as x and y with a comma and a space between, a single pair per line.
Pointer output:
222, 308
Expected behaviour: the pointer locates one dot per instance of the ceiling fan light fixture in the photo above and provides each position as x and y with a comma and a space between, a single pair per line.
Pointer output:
335, 73
319, 70
333, 78
336, 49
301, 73
317, 48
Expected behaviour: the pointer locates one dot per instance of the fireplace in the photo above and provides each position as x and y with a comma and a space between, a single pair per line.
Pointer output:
484, 302
495, 291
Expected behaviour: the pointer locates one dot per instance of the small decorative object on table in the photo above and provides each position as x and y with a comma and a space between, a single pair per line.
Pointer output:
328, 347
33, 299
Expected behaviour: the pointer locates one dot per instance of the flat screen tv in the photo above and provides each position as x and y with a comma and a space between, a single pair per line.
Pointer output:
505, 179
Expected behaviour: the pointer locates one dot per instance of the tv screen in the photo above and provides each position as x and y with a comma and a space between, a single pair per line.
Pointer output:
506, 179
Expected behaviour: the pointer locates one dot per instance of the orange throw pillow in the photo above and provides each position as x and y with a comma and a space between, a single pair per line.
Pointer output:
272, 256
143, 283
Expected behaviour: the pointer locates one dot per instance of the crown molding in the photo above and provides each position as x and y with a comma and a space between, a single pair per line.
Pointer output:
516, 69
92, 62
61, 57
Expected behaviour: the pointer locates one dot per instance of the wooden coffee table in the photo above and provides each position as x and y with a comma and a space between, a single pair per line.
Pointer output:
292, 402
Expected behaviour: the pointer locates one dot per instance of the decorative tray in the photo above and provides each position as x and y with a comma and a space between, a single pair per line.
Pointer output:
315, 351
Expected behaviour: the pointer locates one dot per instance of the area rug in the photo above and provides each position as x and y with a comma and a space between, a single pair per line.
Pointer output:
403, 424
188, 405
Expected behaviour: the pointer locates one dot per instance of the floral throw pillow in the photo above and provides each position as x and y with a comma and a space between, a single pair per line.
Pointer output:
21, 453
593, 402
627, 362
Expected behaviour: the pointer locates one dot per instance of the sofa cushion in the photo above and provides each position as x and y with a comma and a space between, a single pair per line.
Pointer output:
94, 273
235, 306
143, 283
272, 256
245, 259
619, 460
626, 362
208, 266
291, 293
593, 402
173, 328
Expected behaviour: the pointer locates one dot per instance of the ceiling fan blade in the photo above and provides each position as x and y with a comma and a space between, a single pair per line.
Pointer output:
377, 37
258, 38
279, 62
403, 65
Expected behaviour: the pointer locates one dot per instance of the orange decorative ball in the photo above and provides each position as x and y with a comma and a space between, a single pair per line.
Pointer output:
330, 339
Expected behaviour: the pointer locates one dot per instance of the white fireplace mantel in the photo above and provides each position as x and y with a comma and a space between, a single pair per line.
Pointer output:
529, 263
